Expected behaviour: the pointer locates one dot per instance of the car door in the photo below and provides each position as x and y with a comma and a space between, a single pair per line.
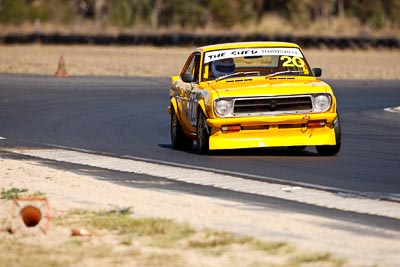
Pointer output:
187, 91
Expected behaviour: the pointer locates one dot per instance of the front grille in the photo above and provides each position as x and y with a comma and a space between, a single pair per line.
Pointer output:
288, 104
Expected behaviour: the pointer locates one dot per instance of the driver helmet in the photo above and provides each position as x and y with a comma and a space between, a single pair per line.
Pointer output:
222, 67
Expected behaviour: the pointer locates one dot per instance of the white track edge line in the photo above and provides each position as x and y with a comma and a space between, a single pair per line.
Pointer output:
223, 181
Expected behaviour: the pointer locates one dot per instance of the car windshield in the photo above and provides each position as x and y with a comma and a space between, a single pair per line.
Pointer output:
268, 62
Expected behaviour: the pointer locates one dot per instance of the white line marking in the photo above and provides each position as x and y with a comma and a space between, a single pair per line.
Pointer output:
393, 110
2, 138
223, 181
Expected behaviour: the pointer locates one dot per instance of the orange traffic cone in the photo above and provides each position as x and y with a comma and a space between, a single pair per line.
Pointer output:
61, 71
30, 215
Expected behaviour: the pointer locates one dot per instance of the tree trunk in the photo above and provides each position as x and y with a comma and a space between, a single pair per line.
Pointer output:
156, 14
340, 7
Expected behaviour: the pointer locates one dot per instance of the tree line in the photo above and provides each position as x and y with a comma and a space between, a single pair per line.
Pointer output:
195, 14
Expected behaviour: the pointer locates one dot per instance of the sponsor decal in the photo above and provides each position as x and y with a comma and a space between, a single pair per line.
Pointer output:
243, 52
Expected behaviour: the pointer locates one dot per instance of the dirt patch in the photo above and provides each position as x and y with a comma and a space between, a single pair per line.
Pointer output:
158, 61
315, 239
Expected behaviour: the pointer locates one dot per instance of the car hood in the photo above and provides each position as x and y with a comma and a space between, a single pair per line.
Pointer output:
281, 86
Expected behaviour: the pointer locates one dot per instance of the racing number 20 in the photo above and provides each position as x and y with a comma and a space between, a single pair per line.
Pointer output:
292, 62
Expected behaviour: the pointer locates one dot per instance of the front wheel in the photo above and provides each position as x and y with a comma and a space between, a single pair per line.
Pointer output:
178, 138
330, 150
203, 134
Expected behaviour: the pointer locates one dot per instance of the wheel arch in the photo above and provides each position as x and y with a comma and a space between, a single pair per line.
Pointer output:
201, 107
172, 105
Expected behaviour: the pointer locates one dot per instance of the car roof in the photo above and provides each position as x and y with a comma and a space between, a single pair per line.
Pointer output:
245, 45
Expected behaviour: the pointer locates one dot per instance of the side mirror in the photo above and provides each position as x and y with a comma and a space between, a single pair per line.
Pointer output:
187, 78
317, 72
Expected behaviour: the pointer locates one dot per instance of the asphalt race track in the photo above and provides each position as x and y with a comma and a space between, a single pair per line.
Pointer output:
128, 116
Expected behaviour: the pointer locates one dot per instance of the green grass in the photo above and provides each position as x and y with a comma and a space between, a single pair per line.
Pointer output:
272, 247
125, 224
316, 258
12, 193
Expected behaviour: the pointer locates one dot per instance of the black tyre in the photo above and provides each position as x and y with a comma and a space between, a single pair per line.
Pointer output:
178, 138
203, 134
330, 150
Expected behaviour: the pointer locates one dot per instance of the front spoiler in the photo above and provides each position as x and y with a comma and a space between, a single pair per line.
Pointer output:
274, 136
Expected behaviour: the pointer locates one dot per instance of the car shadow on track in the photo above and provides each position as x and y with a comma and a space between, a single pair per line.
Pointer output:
272, 151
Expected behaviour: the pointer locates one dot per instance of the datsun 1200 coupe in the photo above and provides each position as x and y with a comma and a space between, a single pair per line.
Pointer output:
252, 95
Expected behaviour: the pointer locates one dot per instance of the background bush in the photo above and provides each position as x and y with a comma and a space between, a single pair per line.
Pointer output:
19, 11
198, 13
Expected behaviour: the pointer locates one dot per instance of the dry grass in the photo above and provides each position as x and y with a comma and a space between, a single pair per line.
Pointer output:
92, 60
123, 240
156, 61
356, 64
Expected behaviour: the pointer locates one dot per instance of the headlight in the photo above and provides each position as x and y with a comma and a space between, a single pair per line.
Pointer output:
322, 103
223, 107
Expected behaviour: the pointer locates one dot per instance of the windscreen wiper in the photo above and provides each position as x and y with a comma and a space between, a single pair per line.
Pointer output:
283, 72
236, 74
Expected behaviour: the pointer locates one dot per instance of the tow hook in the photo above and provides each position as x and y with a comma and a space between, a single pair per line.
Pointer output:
305, 120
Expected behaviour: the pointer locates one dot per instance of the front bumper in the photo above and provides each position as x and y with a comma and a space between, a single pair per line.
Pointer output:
272, 131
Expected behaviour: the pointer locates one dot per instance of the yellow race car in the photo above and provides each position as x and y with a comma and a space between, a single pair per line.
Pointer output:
252, 95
